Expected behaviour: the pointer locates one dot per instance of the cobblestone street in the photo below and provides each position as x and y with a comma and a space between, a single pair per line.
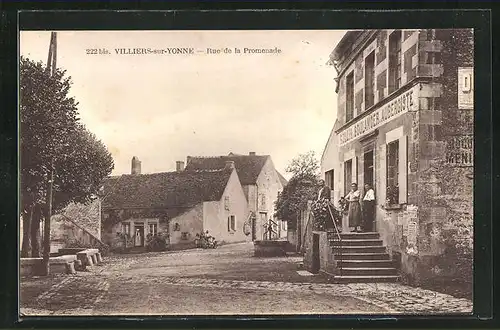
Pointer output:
227, 280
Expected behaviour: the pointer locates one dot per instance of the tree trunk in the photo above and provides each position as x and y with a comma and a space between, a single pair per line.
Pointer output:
27, 220
35, 232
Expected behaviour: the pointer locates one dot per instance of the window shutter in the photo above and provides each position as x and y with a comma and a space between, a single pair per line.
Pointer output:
382, 174
403, 170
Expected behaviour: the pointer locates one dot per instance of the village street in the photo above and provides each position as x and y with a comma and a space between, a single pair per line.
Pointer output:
227, 280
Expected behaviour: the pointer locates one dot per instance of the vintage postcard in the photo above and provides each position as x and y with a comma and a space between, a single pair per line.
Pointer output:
246, 172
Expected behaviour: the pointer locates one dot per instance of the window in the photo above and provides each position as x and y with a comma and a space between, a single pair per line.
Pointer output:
394, 61
433, 58
126, 228
369, 80
349, 105
329, 179
226, 203
231, 223
393, 172
263, 201
347, 176
153, 228
177, 227
184, 235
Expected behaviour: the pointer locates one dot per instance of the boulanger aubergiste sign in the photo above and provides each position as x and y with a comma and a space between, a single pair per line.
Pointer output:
407, 101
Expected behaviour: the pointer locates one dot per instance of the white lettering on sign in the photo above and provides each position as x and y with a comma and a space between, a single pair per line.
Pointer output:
460, 150
405, 102
466, 88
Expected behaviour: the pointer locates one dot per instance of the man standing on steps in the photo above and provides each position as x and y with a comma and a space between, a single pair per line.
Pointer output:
324, 191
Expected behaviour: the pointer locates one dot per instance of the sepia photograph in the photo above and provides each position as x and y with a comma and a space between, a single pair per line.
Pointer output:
246, 172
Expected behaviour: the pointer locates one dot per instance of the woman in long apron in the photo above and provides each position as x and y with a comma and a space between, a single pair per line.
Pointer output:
354, 214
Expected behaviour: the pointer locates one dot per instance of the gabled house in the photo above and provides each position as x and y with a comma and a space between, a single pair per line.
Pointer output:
177, 205
261, 184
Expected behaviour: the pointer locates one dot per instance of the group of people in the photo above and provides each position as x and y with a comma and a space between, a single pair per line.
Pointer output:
361, 219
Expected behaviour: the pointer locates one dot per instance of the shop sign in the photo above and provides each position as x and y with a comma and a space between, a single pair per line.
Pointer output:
407, 101
466, 88
460, 150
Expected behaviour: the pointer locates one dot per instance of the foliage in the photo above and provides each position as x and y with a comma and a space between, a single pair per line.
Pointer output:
205, 241
304, 165
156, 243
322, 217
303, 186
53, 139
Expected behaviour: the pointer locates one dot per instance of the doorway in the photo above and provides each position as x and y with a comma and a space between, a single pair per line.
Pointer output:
368, 168
139, 234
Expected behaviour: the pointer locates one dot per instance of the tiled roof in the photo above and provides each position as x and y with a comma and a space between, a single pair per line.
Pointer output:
164, 190
248, 167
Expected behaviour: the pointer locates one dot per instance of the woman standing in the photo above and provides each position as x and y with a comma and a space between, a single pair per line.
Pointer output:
368, 208
354, 214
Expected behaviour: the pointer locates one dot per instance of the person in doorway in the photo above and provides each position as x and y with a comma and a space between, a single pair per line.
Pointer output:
270, 230
368, 208
324, 191
138, 237
354, 214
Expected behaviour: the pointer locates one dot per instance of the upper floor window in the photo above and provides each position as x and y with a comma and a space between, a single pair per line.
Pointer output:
394, 61
369, 80
393, 172
349, 105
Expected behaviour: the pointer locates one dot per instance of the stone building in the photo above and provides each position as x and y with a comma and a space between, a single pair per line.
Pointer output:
261, 183
177, 205
405, 125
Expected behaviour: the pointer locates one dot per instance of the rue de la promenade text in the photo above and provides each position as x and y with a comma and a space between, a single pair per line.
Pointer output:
182, 51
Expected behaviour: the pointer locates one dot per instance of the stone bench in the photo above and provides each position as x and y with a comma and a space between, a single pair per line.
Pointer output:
57, 265
89, 257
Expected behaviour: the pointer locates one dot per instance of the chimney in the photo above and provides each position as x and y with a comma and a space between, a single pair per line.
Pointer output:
251, 153
136, 166
229, 165
179, 166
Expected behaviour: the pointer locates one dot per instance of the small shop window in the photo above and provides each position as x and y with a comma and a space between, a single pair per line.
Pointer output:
393, 173
153, 228
126, 228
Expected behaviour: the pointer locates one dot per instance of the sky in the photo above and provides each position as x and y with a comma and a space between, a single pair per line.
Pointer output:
163, 108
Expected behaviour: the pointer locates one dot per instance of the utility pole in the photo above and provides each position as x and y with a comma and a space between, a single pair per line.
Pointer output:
51, 67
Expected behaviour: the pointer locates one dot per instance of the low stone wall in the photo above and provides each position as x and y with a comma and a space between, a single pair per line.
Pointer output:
58, 265
270, 248
327, 262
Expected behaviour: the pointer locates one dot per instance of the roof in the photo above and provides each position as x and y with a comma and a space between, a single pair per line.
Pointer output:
248, 167
282, 179
164, 190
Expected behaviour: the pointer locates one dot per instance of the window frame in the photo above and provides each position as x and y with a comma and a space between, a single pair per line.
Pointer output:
392, 170
349, 91
395, 60
369, 83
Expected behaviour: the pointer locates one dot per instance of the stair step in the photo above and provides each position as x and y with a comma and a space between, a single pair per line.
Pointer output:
363, 256
357, 242
365, 279
367, 235
366, 263
358, 249
369, 271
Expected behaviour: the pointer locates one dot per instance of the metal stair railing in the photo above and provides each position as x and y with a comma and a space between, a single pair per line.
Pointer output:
338, 235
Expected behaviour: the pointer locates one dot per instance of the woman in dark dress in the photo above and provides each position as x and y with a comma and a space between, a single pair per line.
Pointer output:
354, 214
368, 208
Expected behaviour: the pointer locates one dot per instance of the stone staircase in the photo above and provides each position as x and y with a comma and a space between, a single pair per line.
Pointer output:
362, 257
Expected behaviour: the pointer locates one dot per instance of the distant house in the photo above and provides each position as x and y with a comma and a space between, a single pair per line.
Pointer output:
261, 184
177, 204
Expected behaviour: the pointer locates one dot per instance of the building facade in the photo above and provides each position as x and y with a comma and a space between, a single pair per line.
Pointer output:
261, 184
405, 125
176, 205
